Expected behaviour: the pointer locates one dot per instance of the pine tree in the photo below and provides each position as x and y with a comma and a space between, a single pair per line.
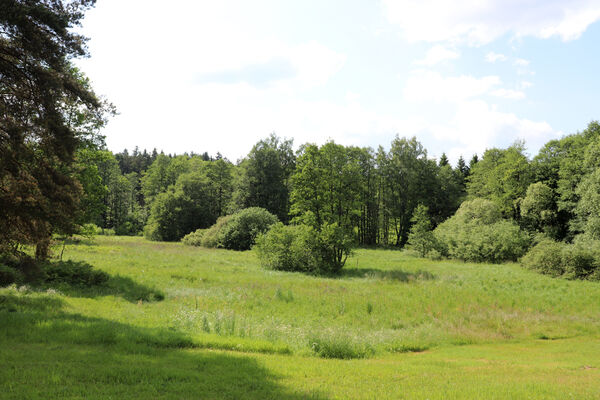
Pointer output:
443, 160
462, 167
421, 236
38, 139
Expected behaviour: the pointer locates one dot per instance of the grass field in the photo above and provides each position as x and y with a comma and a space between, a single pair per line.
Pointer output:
180, 322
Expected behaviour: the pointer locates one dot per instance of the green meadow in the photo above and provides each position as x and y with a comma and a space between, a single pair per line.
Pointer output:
178, 322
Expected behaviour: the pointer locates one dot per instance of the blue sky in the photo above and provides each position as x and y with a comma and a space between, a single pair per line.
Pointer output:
461, 76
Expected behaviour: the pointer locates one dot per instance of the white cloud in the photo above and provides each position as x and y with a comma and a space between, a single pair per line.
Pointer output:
521, 62
493, 57
477, 126
508, 94
479, 22
526, 84
431, 86
315, 63
217, 76
437, 54
230, 118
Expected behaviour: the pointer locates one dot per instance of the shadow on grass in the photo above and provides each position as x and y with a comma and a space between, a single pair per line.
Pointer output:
119, 286
70, 355
80, 279
392, 275
74, 241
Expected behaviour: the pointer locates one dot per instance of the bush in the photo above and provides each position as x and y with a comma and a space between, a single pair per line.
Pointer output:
244, 227
478, 233
194, 238
545, 257
74, 273
25, 267
288, 248
9, 275
334, 246
90, 230
210, 238
580, 260
302, 248
240, 230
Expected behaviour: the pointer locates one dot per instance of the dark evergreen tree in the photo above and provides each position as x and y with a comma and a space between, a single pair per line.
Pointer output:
443, 160
39, 193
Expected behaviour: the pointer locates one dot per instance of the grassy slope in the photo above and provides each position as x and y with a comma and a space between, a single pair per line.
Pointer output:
482, 324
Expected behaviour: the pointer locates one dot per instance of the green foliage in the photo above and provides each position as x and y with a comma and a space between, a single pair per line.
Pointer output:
163, 173
264, 178
580, 260
502, 176
478, 233
545, 257
564, 165
74, 273
305, 249
326, 184
194, 238
237, 231
9, 275
88, 231
47, 112
94, 189
334, 245
421, 238
212, 236
339, 346
408, 179
538, 209
183, 208
588, 206
244, 227
288, 248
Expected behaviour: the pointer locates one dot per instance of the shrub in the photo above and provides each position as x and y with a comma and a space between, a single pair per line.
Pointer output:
478, 233
288, 248
580, 260
304, 249
194, 238
244, 226
210, 238
545, 257
74, 273
25, 267
334, 246
9, 275
90, 230
240, 230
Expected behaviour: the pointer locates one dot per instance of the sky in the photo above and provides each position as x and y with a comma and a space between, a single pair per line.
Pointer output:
461, 76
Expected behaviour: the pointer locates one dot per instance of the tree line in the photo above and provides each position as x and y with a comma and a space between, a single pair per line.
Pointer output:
371, 193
